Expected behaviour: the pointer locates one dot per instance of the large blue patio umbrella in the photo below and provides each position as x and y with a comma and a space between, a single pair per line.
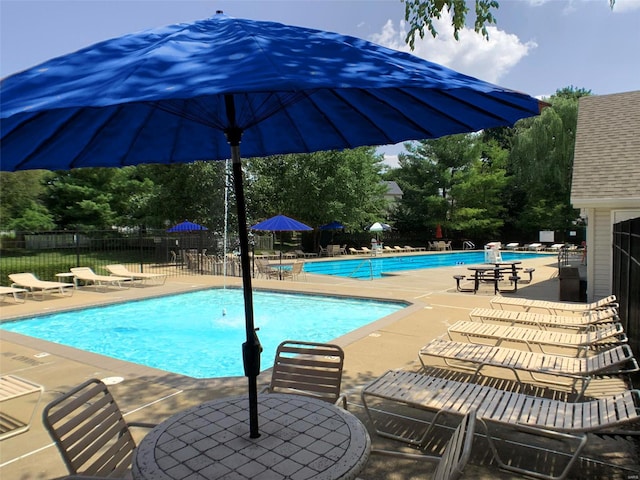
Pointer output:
197, 91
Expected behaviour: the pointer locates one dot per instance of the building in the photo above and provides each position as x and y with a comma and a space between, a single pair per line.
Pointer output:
606, 177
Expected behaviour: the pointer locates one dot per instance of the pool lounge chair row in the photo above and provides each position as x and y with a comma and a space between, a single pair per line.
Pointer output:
507, 410
121, 277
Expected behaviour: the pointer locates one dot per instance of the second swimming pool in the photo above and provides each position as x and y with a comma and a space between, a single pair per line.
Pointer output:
367, 268
199, 334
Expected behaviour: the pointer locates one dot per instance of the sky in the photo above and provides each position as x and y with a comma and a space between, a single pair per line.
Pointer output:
536, 47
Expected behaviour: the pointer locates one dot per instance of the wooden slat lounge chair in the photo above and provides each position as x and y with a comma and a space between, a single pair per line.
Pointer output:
554, 307
14, 292
90, 432
532, 415
12, 388
545, 321
450, 466
493, 334
308, 368
88, 276
34, 285
121, 271
575, 373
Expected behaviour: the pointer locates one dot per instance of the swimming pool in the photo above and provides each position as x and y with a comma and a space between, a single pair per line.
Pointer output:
199, 334
367, 268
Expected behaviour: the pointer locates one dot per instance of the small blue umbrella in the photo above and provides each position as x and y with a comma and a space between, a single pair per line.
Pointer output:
200, 90
187, 226
335, 225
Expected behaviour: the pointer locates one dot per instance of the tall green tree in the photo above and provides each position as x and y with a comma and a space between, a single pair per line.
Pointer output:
95, 198
541, 161
428, 172
191, 191
21, 206
319, 187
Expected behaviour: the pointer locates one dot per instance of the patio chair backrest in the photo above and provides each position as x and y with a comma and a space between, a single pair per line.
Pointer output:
90, 431
308, 368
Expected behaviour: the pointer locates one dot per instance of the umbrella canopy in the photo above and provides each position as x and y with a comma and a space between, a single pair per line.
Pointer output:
186, 226
281, 223
196, 91
438, 231
335, 225
379, 227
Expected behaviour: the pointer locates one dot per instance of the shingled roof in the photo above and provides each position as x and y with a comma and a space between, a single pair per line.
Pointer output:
606, 165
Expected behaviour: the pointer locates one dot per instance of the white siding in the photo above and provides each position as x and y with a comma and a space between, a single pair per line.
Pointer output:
600, 280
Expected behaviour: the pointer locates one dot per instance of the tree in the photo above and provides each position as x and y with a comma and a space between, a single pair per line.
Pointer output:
421, 13
319, 187
21, 205
428, 172
541, 161
97, 198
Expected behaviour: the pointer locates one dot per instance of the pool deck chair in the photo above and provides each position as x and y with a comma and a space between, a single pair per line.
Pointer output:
121, 271
499, 410
575, 373
544, 321
13, 391
554, 307
14, 292
450, 466
90, 432
308, 368
485, 333
91, 278
34, 285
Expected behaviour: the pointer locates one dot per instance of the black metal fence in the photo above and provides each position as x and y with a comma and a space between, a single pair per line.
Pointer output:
50, 253
626, 277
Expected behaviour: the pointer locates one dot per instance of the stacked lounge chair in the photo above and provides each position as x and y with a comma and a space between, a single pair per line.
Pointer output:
575, 372
544, 321
554, 307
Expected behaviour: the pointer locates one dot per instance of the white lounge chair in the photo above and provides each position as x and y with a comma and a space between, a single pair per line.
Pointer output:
554, 307
88, 276
6, 291
575, 373
492, 334
536, 416
544, 321
512, 246
34, 285
536, 247
120, 270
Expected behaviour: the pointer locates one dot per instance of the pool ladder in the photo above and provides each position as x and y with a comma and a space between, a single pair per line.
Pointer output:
360, 265
468, 245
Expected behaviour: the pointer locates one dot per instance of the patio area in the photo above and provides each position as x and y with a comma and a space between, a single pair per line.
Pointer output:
151, 395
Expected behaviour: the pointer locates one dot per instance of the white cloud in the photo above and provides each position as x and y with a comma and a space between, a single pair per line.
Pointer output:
472, 54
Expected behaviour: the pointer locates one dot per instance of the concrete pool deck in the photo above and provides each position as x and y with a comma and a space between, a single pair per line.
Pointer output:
152, 395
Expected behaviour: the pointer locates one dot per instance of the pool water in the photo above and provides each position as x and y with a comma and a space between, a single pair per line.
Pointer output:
200, 334
367, 268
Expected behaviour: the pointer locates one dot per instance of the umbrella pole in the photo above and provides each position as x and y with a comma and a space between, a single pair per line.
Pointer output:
251, 349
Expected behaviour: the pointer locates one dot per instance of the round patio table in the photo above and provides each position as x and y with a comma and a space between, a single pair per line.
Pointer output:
300, 438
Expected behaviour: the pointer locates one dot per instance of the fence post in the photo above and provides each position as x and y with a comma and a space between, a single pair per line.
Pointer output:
76, 240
